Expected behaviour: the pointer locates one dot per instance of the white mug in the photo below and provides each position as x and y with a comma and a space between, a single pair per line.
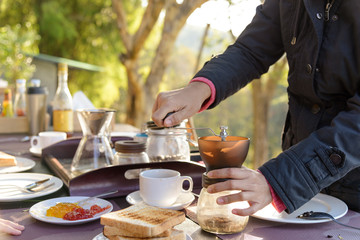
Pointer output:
46, 139
161, 187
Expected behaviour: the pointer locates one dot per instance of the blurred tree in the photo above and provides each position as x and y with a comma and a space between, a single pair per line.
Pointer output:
18, 35
15, 41
86, 31
263, 90
80, 30
14, 12
142, 89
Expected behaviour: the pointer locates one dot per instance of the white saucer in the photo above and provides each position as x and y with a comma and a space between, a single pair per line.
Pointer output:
184, 200
35, 151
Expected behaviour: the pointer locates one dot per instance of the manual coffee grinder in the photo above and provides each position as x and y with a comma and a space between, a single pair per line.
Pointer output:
220, 151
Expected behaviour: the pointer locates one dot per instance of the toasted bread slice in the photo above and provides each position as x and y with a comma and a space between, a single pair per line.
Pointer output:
7, 160
146, 221
113, 231
175, 235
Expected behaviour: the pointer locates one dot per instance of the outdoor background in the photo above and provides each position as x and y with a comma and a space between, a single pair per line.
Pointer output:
145, 47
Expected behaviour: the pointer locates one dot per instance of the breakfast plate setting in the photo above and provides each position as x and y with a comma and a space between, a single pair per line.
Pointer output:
38, 211
22, 164
12, 194
184, 200
319, 203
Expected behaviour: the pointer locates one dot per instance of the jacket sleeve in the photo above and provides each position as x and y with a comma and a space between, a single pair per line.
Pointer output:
319, 160
257, 48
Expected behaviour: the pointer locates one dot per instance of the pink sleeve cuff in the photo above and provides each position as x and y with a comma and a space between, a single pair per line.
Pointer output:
276, 200
210, 100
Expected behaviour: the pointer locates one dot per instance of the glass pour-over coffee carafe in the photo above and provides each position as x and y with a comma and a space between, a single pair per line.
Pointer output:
220, 152
94, 150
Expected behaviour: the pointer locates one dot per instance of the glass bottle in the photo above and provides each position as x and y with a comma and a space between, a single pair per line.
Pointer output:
7, 105
20, 98
35, 82
216, 218
62, 104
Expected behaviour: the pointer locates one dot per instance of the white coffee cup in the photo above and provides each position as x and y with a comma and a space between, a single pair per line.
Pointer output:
46, 139
161, 187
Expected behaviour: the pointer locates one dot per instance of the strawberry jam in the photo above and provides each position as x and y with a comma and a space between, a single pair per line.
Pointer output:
81, 213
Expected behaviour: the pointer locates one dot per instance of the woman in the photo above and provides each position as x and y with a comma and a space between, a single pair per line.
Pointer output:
322, 129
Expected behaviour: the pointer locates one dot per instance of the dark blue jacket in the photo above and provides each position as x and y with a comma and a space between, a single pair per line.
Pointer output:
321, 139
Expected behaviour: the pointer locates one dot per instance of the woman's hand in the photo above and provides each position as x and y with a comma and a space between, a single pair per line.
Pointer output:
10, 227
183, 103
253, 185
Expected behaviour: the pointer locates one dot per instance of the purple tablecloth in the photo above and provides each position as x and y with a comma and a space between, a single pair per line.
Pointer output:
256, 229
260, 229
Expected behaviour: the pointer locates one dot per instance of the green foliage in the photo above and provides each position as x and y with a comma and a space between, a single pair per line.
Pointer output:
55, 23
85, 31
134, 8
14, 12
15, 41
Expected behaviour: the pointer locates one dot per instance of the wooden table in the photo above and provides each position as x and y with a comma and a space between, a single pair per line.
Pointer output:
256, 229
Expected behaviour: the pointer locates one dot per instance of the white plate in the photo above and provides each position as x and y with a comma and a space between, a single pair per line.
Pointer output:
23, 164
101, 236
22, 179
184, 200
319, 203
38, 211
35, 152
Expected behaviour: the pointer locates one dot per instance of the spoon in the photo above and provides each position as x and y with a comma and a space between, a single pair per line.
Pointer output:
322, 215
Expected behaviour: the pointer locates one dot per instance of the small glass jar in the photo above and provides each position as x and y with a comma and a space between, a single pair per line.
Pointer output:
216, 218
129, 152
167, 144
